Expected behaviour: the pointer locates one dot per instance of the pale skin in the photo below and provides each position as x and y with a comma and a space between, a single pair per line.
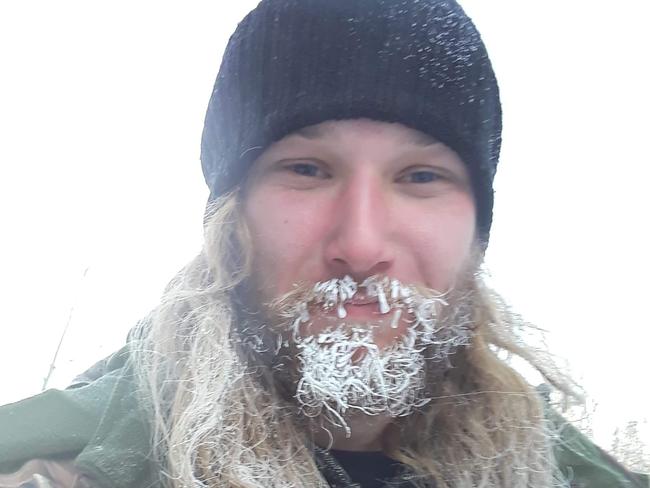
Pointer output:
359, 197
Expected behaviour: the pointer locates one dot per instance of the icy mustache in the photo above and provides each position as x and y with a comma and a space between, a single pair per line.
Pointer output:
390, 295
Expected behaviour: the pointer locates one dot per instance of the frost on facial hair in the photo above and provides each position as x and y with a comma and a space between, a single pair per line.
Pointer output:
342, 370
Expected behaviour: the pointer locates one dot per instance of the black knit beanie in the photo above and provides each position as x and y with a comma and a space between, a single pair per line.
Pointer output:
295, 63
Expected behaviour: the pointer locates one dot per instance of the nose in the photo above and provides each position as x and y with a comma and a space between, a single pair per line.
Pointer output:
359, 241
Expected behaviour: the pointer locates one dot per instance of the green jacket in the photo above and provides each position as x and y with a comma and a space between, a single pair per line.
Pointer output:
101, 426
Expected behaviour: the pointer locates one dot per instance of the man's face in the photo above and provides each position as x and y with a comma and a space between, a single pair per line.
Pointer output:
358, 198
336, 204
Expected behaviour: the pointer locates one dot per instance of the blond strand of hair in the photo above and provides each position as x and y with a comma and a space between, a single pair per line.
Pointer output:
214, 425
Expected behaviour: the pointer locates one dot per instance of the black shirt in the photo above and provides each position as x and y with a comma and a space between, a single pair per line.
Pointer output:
369, 469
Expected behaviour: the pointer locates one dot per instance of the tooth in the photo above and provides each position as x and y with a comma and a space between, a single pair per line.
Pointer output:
383, 304
394, 289
396, 317
341, 312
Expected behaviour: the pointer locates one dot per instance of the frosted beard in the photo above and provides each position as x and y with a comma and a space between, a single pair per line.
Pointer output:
337, 368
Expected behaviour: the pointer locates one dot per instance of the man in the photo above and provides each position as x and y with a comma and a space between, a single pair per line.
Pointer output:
334, 330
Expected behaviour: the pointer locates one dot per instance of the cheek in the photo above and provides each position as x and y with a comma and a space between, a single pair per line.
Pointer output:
442, 241
285, 238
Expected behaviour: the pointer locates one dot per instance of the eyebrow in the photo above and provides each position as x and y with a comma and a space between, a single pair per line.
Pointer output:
313, 131
422, 139
318, 131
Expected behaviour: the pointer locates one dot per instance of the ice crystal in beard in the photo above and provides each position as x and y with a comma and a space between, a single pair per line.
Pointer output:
341, 369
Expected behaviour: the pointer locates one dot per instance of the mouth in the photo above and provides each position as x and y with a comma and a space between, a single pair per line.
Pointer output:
362, 305
357, 308
361, 299
362, 309
373, 296
372, 299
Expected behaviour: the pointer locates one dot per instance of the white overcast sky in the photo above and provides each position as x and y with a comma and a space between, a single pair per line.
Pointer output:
101, 110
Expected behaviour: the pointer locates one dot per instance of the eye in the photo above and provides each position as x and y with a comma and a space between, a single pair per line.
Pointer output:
306, 168
422, 176
419, 176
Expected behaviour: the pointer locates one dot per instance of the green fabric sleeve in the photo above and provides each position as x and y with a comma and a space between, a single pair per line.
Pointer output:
585, 464
118, 454
52, 424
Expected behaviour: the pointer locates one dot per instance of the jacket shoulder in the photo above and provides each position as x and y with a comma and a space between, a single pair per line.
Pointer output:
40, 473
55, 423
584, 464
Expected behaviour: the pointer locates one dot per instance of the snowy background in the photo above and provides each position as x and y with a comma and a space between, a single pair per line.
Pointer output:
101, 192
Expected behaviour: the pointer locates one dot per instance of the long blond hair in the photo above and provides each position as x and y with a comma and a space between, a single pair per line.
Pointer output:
216, 422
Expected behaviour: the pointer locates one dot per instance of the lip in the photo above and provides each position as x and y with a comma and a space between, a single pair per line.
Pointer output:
361, 300
362, 310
